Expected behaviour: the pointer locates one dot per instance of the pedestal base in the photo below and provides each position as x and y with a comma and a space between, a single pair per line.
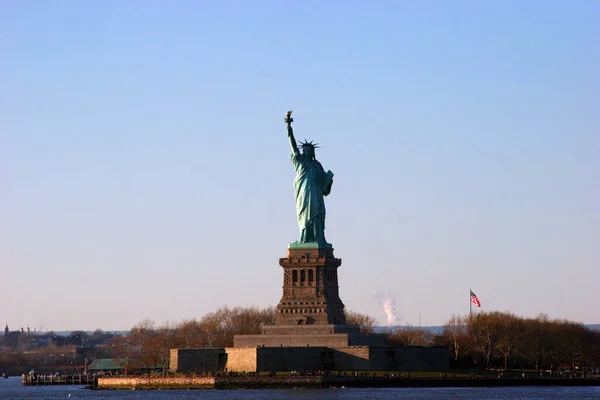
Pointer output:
324, 335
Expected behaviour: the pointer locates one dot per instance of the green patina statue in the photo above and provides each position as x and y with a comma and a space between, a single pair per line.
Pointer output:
311, 184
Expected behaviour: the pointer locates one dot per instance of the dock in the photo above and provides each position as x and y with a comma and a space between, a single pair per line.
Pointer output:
54, 379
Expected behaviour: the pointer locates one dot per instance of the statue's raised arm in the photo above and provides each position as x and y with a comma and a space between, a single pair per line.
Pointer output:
288, 122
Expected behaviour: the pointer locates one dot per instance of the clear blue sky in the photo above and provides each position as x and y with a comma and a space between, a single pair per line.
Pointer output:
145, 173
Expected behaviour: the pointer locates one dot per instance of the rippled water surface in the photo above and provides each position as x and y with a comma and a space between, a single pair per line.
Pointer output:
11, 389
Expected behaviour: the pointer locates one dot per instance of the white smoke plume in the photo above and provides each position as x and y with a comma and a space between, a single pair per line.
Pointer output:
389, 307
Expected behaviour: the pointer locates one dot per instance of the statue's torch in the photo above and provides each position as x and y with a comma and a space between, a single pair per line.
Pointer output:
288, 117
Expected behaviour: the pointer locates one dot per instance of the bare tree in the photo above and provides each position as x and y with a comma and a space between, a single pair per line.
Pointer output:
124, 352
483, 330
510, 331
366, 322
143, 337
190, 334
223, 324
455, 330
163, 341
410, 336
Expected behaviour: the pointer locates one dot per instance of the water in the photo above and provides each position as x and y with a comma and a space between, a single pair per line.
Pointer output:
11, 389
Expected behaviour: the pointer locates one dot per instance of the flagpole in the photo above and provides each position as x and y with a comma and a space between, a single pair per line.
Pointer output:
470, 304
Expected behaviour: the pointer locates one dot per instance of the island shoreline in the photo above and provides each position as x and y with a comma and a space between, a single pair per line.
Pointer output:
315, 382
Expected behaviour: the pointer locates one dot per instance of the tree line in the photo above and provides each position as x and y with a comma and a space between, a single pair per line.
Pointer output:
490, 340
147, 346
502, 340
493, 340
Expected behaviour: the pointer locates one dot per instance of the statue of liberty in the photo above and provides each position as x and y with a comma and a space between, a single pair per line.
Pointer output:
311, 184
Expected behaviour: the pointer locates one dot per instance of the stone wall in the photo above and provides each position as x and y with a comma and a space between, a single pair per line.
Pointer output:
367, 339
329, 335
352, 359
197, 360
347, 380
410, 358
347, 358
422, 358
241, 359
157, 383
290, 358
242, 382
333, 340
309, 329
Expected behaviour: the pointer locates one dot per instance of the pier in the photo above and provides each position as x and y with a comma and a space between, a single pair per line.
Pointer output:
53, 379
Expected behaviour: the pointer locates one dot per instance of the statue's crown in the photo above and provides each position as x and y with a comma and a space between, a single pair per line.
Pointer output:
306, 143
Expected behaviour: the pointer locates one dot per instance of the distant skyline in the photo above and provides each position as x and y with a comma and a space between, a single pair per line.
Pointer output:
463, 137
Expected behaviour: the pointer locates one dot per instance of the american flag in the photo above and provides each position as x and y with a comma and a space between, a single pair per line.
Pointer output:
475, 300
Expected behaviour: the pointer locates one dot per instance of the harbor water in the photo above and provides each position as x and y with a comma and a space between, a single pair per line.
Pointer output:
12, 389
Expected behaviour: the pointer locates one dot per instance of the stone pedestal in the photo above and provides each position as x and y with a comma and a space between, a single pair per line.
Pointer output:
310, 312
310, 288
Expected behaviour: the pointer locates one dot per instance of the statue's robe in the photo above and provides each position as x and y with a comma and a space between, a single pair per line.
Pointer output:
311, 184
